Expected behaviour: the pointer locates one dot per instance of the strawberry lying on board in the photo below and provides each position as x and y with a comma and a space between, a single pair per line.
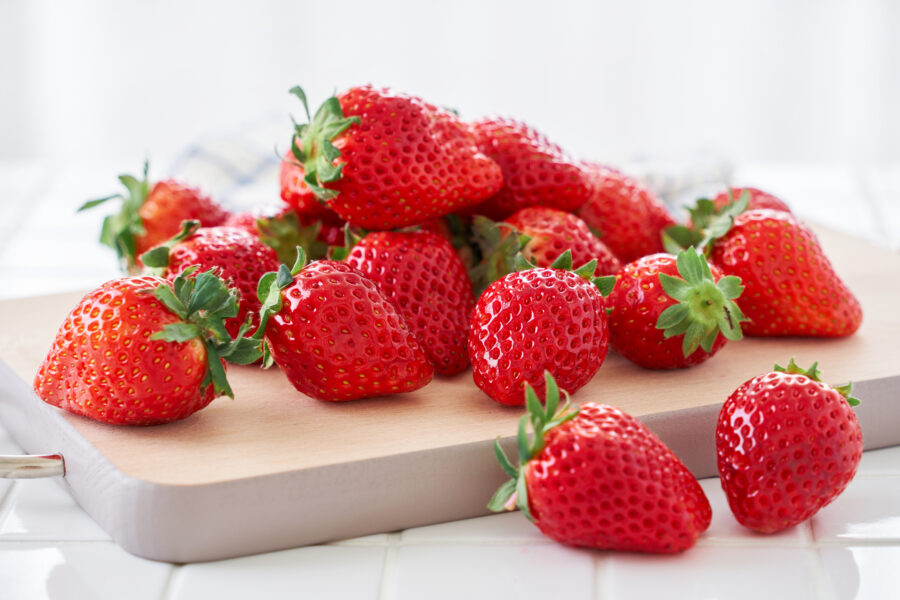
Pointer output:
152, 214
786, 446
383, 160
594, 476
144, 350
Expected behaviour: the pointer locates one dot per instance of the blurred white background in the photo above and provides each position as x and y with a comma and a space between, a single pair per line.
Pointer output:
766, 80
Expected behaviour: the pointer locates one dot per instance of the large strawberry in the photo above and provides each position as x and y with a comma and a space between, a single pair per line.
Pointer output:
670, 312
786, 445
536, 172
756, 199
790, 286
597, 477
535, 320
383, 160
144, 350
420, 273
335, 335
152, 214
624, 213
238, 257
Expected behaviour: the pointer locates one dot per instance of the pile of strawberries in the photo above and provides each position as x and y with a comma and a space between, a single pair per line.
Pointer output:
411, 242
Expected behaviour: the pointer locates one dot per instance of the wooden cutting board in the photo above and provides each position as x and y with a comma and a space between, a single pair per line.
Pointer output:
275, 469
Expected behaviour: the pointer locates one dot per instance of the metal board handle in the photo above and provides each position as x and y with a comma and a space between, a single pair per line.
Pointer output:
31, 466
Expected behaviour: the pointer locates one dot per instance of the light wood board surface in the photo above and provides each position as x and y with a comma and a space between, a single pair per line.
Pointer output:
271, 428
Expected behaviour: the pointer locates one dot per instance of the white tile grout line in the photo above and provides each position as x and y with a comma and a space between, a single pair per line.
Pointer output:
880, 222
600, 588
387, 587
6, 502
822, 585
171, 586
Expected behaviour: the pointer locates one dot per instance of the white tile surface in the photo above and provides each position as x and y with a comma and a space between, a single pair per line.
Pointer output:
869, 509
707, 572
525, 572
880, 462
863, 572
80, 571
725, 527
321, 572
511, 526
43, 510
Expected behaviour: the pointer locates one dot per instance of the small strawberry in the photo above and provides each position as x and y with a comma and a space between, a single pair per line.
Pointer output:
144, 350
151, 215
239, 258
624, 214
383, 160
786, 446
296, 193
668, 312
335, 335
282, 229
597, 477
551, 232
535, 320
536, 172
420, 273
756, 199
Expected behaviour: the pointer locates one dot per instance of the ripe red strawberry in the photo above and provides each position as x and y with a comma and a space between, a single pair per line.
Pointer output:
336, 336
597, 477
282, 229
296, 193
553, 231
667, 312
624, 214
756, 199
536, 172
151, 215
786, 445
790, 286
143, 350
239, 258
383, 160
420, 273
535, 320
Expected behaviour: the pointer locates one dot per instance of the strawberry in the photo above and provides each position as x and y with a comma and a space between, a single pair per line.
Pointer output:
786, 445
668, 312
151, 215
553, 231
144, 350
420, 273
296, 193
240, 259
595, 476
624, 214
535, 320
756, 199
790, 286
335, 335
282, 229
383, 160
536, 172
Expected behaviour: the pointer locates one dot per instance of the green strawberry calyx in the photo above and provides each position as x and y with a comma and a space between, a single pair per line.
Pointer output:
352, 236
268, 292
312, 147
499, 243
543, 418
707, 224
156, 259
563, 262
703, 308
285, 232
120, 229
203, 302
815, 374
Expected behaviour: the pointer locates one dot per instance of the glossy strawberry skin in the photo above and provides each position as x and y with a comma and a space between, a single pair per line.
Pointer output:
338, 338
791, 287
757, 199
420, 273
625, 214
536, 172
296, 193
552, 232
786, 446
536, 320
603, 480
167, 205
637, 300
407, 161
241, 258
103, 364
